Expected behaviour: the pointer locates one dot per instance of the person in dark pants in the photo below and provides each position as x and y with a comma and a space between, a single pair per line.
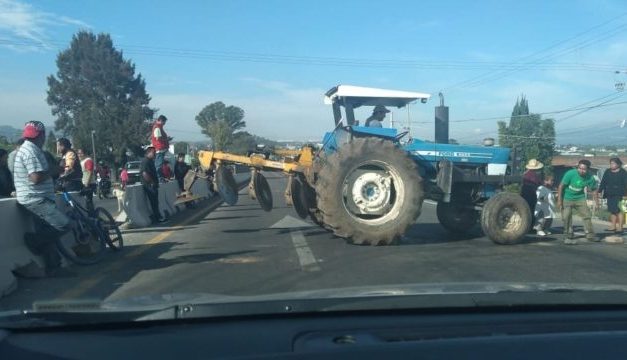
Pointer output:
180, 170
531, 180
150, 183
614, 187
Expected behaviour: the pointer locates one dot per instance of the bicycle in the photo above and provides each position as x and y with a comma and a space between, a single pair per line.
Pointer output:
93, 231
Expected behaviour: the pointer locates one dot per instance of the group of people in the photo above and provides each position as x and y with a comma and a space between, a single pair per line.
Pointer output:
31, 175
571, 197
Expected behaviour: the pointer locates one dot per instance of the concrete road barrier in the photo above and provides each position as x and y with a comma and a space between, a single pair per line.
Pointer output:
137, 208
14, 255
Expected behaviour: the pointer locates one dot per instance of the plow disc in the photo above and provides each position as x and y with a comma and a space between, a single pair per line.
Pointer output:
299, 198
226, 185
263, 193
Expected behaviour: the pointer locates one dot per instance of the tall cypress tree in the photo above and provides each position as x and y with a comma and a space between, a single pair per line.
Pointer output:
531, 136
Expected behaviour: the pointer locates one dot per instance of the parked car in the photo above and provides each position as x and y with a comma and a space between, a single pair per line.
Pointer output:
132, 167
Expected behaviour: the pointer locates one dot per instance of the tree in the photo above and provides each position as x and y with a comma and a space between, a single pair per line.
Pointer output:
220, 123
51, 143
5, 144
221, 134
242, 143
181, 147
528, 135
95, 88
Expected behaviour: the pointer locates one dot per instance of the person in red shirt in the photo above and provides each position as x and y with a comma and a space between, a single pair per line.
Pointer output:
161, 142
87, 165
166, 172
124, 177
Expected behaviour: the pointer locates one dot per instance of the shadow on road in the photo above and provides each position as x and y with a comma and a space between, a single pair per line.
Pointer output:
227, 218
434, 233
117, 269
156, 230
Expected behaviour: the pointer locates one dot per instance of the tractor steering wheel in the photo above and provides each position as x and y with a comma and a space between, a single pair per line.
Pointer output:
401, 135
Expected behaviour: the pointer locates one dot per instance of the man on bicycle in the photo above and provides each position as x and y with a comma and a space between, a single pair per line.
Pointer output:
34, 190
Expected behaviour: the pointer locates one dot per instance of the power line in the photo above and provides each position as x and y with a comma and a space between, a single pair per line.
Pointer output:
543, 60
604, 104
544, 50
585, 110
327, 61
600, 105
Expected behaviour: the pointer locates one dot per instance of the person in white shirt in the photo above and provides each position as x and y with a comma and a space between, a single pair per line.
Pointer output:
545, 207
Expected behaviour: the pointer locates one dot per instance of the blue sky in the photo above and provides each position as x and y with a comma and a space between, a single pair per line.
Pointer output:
193, 53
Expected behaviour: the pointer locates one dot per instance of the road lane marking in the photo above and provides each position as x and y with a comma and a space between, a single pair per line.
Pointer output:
290, 222
431, 202
305, 255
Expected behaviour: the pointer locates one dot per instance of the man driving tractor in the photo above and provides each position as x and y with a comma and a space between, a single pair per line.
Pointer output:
378, 114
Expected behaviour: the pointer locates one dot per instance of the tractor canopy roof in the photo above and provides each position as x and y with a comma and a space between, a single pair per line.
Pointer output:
365, 96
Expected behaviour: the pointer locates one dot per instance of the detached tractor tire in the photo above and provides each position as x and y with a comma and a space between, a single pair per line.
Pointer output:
369, 192
506, 218
455, 218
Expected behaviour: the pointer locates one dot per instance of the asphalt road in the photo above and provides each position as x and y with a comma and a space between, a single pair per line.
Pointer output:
242, 250
110, 204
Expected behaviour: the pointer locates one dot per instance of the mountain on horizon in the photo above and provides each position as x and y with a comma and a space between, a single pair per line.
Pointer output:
10, 133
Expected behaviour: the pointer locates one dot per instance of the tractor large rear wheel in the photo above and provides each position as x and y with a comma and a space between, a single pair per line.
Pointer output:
369, 192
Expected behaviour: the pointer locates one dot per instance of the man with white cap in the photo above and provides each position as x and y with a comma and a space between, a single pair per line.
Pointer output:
34, 190
531, 180
378, 114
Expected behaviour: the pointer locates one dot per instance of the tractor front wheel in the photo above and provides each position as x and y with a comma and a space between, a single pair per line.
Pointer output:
506, 218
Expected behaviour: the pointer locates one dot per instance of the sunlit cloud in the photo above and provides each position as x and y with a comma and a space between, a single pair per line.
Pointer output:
25, 28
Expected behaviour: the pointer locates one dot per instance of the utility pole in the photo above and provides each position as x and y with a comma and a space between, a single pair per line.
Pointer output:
93, 146
618, 83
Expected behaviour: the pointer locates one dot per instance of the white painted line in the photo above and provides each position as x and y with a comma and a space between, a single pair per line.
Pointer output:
305, 256
431, 202
543, 243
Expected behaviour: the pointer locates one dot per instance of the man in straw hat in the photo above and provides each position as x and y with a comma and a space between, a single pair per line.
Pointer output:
532, 178
571, 197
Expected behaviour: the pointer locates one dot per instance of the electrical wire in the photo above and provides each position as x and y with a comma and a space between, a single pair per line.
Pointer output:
325, 61
537, 53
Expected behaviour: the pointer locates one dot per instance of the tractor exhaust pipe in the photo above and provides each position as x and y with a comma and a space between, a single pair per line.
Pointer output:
441, 122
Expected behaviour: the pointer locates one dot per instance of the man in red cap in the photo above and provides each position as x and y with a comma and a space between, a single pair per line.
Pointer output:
34, 190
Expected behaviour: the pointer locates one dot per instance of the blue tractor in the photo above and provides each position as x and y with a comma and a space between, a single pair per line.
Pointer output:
369, 182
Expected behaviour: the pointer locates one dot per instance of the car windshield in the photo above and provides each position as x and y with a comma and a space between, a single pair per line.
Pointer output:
225, 151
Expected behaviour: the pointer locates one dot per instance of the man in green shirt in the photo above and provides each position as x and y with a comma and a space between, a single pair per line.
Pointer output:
571, 197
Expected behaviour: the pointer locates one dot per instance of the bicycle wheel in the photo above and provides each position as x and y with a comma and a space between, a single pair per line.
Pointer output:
111, 230
84, 245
